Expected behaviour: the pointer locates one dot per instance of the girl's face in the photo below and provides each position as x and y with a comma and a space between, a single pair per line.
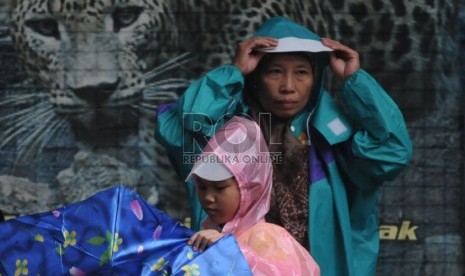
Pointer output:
286, 82
219, 199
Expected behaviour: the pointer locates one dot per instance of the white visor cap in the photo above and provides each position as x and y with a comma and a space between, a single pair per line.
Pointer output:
212, 171
294, 44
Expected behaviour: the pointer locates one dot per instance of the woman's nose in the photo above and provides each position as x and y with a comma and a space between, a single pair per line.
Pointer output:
287, 84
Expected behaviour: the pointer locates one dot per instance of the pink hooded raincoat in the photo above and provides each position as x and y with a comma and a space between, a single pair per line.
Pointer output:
269, 249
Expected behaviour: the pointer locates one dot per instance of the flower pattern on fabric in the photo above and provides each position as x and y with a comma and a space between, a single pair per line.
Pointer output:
113, 240
116, 241
159, 265
136, 209
60, 250
70, 238
191, 270
157, 232
21, 267
39, 238
76, 271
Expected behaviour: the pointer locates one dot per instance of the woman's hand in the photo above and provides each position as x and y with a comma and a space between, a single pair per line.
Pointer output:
203, 239
344, 61
246, 58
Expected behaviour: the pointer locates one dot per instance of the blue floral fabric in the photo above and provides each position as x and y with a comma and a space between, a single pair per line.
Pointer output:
114, 232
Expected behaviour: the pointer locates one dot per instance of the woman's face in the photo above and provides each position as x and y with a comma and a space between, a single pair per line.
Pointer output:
286, 82
219, 199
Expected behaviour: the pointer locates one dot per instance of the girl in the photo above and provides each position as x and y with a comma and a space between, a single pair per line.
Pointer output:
233, 179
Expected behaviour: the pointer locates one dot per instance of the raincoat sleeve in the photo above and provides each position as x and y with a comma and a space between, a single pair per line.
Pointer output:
212, 100
380, 146
185, 126
270, 250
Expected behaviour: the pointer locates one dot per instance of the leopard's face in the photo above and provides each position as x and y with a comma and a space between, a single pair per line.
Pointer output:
104, 66
93, 56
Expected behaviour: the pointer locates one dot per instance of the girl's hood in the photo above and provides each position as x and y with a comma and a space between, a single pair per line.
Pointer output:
240, 147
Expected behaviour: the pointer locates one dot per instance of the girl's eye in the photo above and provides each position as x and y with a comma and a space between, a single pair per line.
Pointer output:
201, 187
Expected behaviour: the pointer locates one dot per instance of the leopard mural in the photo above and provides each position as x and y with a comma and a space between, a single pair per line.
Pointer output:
101, 67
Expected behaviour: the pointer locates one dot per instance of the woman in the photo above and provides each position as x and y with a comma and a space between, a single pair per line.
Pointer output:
330, 158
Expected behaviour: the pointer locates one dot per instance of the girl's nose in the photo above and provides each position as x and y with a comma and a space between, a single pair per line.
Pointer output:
208, 197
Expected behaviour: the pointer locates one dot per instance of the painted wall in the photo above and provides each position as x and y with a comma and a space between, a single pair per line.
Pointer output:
59, 143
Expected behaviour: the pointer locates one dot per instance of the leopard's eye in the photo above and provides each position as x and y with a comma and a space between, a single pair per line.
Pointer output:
45, 27
123, 17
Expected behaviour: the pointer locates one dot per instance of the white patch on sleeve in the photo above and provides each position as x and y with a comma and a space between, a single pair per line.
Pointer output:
337, 127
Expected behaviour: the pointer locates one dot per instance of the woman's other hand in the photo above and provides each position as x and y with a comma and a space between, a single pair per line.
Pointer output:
344, 61
246, 57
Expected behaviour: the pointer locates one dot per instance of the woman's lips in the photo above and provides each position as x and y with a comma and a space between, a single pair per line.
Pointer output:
286, 104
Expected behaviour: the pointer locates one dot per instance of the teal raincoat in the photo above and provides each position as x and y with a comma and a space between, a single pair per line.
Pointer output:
356, 145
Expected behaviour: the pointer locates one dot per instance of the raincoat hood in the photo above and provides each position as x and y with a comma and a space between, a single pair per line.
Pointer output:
291, 36
240, 147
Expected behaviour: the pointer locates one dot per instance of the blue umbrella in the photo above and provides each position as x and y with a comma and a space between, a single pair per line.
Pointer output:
114, 232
